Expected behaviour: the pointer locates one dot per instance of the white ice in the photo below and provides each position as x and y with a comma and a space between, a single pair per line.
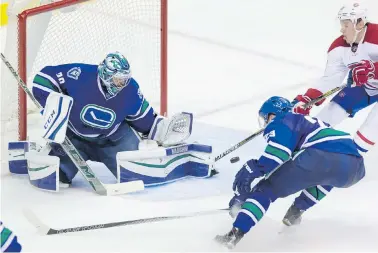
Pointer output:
225, 59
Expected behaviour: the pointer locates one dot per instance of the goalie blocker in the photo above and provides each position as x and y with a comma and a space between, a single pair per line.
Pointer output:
153, 164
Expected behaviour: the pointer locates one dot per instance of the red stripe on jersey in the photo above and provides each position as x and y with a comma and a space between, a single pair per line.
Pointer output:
364, 138
371, 33
339, 42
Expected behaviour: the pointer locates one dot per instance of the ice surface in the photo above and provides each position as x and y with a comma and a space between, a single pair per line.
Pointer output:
225, 58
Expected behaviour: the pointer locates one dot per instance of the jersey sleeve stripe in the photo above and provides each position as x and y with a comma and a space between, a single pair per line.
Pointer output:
5, 234
272, 158
44, 82
327, 132
8, 243
279, 146
279, 153
50, 79
329, 138
144, 109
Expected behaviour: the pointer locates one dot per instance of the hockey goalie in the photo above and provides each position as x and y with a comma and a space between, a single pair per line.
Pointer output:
102, 110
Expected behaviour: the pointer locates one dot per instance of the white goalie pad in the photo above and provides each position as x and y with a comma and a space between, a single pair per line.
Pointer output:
172, 131
159, 165
17, 163
55, 117
43, 170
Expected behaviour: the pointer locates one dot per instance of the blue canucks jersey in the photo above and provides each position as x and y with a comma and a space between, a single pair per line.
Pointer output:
290, 133
94, 114
9, 241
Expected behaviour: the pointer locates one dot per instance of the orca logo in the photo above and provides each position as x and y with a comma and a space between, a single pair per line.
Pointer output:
97, 116
74, 73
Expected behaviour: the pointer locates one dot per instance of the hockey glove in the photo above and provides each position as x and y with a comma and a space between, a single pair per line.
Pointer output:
300, 101
361, 72
245, 176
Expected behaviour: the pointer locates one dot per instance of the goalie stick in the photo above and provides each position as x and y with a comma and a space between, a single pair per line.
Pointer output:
46, 230
257, 133
77, 159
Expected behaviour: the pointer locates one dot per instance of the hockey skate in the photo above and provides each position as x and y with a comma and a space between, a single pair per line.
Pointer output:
230, 239
293, 216
64, 182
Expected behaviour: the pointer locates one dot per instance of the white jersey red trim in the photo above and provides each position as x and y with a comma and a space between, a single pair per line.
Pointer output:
341, 55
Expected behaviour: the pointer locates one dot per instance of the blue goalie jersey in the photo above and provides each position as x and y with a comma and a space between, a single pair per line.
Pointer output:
94, 114
288, 134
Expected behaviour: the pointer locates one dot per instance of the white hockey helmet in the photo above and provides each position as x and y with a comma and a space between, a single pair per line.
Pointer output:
353, 12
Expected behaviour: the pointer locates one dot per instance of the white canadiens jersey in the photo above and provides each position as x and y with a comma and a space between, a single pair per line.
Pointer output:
342, 55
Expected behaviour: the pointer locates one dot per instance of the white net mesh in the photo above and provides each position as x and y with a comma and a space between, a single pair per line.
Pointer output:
85, 33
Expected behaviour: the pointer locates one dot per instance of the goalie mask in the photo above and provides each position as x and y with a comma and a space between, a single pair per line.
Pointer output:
114, 72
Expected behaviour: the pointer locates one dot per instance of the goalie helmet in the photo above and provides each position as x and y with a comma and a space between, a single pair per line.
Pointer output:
353, 12
114, 72
274, 105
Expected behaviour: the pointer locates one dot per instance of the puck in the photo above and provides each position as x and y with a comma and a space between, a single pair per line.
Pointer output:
234, 159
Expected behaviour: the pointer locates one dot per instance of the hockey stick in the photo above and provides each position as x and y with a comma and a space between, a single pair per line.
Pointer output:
252, 136
46, 230
77, 159
325, 95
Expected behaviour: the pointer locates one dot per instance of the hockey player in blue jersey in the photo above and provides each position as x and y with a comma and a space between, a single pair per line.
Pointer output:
105, 113
302, 152
9, 241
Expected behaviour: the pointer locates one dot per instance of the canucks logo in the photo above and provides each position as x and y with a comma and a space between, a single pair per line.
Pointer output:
97, 116
74, 73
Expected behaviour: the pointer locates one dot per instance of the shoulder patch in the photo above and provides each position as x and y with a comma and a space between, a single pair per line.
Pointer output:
74, 73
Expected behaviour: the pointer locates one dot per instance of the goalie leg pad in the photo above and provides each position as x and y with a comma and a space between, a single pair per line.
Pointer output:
16, 157
161, 165
43, 171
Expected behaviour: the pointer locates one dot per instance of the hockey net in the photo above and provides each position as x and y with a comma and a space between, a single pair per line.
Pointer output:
82, 31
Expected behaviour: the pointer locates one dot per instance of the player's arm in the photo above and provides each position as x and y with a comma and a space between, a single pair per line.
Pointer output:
165, 131
334, 74
57, 106
9, 241
44, 83
281, 143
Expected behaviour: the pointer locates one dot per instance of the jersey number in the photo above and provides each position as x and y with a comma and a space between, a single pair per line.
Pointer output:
97, 116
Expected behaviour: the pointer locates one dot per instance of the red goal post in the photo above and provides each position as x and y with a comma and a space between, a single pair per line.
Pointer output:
138, 21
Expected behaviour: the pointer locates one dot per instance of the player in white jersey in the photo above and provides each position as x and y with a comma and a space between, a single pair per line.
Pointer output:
353, 55
356, 50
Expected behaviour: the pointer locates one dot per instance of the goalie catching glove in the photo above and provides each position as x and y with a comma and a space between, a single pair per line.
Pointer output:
171, 131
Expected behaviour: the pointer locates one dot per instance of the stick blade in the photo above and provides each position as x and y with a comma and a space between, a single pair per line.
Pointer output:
123, 188
35, 221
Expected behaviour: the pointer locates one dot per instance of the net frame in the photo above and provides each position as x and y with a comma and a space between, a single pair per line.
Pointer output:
22, 56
